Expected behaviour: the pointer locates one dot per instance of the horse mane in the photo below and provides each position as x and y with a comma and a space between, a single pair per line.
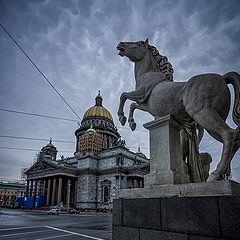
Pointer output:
162, 63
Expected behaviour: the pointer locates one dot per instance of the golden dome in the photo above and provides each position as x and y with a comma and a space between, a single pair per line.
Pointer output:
98, 110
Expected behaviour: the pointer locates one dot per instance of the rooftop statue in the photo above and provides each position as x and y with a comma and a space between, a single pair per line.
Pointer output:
203, 101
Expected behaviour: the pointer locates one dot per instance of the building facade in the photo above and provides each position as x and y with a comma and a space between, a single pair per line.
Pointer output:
101, 165
9, 192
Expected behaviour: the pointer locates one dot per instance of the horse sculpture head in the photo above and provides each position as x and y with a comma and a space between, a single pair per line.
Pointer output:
135, 51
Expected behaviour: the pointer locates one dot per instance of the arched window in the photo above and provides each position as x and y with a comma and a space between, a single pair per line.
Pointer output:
106, 189
105, 194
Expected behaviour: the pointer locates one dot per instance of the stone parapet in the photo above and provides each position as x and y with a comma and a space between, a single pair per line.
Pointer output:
214, 188
194, 218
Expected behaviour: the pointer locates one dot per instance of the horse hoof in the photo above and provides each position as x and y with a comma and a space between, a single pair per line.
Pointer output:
214, 177
132, 126
122, 120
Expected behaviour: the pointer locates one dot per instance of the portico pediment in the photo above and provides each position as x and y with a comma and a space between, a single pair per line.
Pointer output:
41, 166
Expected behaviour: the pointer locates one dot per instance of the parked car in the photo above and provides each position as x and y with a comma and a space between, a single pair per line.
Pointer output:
53, 211
73, 211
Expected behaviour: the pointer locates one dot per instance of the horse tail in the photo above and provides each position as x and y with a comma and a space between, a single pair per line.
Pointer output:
234, 79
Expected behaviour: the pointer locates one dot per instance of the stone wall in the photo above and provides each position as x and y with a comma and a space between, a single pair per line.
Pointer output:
87, 163
86, 197
180, 218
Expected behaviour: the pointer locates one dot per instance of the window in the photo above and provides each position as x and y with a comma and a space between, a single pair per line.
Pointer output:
105, 193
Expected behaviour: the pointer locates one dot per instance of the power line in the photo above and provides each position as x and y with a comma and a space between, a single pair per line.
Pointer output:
26, 149
39, 70
35, 139
53, 117
45, 139
16, 148
37, 115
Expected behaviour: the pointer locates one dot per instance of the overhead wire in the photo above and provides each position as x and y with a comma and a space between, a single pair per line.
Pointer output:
35, 139
54, 140
37, 115
27, 149
39, 70
53, 117
74, 120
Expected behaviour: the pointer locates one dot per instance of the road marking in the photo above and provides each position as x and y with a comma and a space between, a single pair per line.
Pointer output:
14, 234
78, 234
58, 236
7, 229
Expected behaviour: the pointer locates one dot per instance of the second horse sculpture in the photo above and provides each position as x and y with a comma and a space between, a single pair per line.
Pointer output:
203, 101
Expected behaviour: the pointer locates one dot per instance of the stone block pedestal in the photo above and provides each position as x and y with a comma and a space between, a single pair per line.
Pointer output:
177, 218
166, 164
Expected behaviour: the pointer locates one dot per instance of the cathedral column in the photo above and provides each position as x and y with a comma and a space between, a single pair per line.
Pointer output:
48, 192
31, 188
104, 141
110, 142
59, 196
27, 189
35, 188
75, 192
44, 187
54, 191
68, 193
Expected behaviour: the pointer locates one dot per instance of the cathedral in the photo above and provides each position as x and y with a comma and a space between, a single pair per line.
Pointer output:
92, 177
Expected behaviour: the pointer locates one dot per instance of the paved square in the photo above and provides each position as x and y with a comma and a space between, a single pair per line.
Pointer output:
25, 225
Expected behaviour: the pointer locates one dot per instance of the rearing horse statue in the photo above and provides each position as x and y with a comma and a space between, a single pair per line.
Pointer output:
204, 100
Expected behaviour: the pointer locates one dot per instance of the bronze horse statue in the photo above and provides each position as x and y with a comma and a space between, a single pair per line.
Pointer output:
204, 100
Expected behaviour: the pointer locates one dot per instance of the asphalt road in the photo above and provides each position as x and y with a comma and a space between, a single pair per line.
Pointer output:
23, 225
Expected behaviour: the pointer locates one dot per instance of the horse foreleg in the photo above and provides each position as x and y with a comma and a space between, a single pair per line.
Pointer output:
131, 121
134, 96
122, 118
133, 107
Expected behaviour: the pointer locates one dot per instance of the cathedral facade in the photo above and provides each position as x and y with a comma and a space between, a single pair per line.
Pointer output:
92, 178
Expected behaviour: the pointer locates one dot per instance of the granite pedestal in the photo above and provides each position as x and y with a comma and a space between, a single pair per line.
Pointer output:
177, 218
171, 208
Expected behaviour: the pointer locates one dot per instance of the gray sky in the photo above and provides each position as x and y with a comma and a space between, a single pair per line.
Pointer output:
74, 43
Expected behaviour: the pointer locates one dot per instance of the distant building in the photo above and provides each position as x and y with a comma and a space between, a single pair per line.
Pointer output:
101, 165
9, 192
